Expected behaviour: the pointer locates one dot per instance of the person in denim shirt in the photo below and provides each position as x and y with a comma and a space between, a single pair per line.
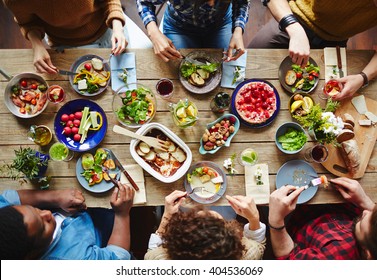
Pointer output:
196, 24
27, 232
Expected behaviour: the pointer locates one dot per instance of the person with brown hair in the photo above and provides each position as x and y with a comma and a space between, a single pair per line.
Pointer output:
69, 23
202, 234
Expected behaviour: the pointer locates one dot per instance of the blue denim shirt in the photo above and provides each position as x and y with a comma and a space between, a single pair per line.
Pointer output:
202, 16
77, 239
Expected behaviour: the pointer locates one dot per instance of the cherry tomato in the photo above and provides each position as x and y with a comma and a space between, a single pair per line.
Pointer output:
75, 130
78, 115
24, 83
34, 86
205, 169
299, 75
69, 123
67, 131
77, 137
88, 66
64, 118
76, 123
311, 77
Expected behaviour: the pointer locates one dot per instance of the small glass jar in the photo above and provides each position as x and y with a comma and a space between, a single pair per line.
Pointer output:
220, 102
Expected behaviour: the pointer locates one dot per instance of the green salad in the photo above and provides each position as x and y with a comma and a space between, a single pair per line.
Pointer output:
292, 139
137, 106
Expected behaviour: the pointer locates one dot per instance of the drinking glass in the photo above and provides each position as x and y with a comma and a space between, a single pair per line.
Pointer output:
248, 157
60, 152
39, 134
56, 94
165, 88
317, 153
332, 87
184, 113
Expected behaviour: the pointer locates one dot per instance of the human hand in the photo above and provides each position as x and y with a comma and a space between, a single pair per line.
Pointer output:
351, 84
122, 199
299, 47
118, 40
353, 192
236, 47
244, 206
282, 202
172, 203
42, 61
70, 200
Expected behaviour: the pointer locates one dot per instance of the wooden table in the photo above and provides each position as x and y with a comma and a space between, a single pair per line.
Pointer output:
262, 64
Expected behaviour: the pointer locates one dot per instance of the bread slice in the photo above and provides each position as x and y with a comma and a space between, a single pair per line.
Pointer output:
351, 155
348, 126
347, 118
345, 134
290, 77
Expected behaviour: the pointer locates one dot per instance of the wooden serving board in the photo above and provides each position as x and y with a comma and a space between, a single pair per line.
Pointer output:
365, 137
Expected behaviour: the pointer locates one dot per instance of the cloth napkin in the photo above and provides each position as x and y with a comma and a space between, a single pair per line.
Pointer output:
136, 173
260, 193
331, 63
117, 63
228, 71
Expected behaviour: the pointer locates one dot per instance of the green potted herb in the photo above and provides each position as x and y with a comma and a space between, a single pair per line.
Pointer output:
29, 164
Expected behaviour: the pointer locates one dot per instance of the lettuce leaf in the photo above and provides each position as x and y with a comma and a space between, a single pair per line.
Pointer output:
292, 140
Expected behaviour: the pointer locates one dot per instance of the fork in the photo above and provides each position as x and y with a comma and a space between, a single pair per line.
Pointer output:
151, 141
106, 61
197, 189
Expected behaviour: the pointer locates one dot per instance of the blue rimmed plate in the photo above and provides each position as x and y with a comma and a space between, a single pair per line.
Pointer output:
297, 173
210, 196
249, 102
94, 137
101, 187
228, 140
78, 65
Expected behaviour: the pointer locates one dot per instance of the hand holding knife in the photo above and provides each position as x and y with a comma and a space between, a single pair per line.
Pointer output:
124, 171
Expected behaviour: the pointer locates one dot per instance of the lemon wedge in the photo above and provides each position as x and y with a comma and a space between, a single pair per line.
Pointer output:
296, 104
181, 113
191, 111
308, 104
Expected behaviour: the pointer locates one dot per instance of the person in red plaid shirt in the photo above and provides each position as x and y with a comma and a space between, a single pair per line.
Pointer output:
345, 232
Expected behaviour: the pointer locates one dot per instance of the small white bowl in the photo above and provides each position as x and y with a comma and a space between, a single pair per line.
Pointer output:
282, 130
180, 172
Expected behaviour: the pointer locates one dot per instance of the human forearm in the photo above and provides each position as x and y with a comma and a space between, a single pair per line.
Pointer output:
282, 243
39, 198
371, 69
121, 234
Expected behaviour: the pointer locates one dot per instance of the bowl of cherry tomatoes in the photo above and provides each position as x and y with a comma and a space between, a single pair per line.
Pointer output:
80, 124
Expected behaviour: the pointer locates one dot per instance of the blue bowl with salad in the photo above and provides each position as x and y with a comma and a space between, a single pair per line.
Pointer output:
290, 138
134, 105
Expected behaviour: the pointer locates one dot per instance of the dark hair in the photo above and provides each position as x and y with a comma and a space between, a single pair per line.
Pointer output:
197, 235
370, 241
14, 241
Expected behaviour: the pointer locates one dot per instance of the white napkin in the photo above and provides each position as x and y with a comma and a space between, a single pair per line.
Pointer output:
124, 60
228, 71
136, 173
331, 63
260, 193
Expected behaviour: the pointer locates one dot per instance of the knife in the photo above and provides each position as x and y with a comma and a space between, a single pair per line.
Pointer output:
124, 171
339, 58
65, 72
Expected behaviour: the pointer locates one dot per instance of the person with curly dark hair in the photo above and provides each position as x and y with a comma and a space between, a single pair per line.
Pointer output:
202, 234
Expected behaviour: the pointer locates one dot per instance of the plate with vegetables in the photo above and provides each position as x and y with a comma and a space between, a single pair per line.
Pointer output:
296, 79
134, 105
199, 72
90, 174
93, 76
25, 95
80, 124
208, 179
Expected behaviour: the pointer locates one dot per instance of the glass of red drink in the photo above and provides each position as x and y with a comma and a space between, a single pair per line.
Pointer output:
332, 87
317, 153
55, 94
165, 88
